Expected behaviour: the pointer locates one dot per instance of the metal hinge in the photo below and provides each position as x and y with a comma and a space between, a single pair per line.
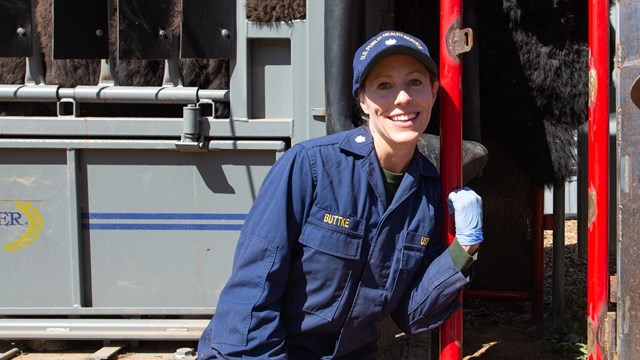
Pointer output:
191, 140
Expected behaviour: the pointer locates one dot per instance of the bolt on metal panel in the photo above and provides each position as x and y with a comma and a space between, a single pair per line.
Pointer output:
15, 28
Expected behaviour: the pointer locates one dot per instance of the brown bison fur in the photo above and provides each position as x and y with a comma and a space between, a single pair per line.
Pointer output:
13, 70
275, 10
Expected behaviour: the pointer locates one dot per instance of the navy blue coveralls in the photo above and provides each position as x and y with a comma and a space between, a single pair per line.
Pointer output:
322, 257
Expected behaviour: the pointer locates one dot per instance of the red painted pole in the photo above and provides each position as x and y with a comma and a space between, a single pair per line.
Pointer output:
598, 168
450, 150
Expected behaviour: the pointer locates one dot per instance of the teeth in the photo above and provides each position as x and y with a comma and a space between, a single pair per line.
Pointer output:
404, 117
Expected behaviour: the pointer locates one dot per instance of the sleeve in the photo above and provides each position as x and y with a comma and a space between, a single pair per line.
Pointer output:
435, 291
246, 323
461, 259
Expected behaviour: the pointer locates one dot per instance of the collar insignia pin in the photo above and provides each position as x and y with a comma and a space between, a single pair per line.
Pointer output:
360, 139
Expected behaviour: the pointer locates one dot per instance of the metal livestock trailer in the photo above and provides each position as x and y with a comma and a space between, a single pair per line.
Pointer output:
123, 226
120, 224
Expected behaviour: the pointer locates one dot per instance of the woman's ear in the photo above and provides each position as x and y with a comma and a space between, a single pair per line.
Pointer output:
363, 103
434, 89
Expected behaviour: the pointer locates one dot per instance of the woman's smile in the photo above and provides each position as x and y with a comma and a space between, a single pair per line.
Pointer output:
403, 117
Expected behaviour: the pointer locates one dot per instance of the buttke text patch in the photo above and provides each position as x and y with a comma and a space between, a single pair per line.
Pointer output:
336, 220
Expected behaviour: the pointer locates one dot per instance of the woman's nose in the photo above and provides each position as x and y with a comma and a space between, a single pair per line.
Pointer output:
403, 97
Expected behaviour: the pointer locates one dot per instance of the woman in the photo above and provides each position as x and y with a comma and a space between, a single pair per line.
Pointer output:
346, 229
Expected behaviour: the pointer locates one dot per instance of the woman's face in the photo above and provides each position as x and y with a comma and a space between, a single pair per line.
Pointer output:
398, 97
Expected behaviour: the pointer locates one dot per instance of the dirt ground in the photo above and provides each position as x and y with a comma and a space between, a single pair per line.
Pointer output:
498, 330
505, 331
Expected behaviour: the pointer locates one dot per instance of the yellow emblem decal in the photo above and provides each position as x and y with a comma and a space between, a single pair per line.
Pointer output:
424, 240
33, 223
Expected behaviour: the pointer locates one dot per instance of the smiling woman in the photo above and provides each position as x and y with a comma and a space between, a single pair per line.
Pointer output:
397, 98
395, 85
345, 230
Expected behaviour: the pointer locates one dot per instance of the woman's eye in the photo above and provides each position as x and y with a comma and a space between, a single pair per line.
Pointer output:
415, 82
384, 86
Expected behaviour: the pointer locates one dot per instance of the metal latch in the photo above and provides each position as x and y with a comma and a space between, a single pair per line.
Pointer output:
459, 41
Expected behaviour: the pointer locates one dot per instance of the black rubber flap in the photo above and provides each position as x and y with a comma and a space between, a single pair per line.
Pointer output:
15, 28
80, 29
144, 29
208, 29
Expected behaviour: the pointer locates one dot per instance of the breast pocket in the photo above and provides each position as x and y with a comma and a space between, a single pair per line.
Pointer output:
411, 249
330, 253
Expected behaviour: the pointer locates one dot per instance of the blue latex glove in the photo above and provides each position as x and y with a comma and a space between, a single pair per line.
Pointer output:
467, 206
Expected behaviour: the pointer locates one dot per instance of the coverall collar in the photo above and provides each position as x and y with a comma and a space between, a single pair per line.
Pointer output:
360, 142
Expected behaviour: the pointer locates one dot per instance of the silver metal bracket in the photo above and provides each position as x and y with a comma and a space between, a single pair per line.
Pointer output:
192, 146
67, 107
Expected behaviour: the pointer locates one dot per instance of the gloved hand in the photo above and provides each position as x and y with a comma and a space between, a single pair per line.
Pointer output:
467, 206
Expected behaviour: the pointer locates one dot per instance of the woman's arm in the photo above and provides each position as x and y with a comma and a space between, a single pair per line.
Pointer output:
247, 320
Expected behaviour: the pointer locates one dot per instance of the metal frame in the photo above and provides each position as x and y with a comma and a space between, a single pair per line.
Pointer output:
112, 94
627, 70
102, 329
192, 132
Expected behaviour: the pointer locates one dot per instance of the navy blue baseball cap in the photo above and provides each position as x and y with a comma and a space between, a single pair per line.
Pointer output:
387, 43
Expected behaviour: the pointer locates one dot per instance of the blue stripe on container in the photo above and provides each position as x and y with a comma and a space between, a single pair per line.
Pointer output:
163, 216
223, 227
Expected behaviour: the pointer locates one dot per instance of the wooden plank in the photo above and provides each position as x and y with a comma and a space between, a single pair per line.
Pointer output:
107, 352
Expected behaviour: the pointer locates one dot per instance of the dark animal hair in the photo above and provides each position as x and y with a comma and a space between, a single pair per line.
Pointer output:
13, 70
534, 86
275, 10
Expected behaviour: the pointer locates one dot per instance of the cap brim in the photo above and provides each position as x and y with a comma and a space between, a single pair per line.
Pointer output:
400, 49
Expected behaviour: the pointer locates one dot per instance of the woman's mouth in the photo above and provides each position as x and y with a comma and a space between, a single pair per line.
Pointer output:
403, 117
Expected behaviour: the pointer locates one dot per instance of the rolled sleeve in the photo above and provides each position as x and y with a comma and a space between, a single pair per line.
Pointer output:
461, 259
433, 298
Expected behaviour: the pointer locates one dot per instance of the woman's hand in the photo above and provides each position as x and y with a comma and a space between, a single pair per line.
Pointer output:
466, 206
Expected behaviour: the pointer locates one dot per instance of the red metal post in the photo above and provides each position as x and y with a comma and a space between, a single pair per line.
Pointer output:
598, 168
450, 148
